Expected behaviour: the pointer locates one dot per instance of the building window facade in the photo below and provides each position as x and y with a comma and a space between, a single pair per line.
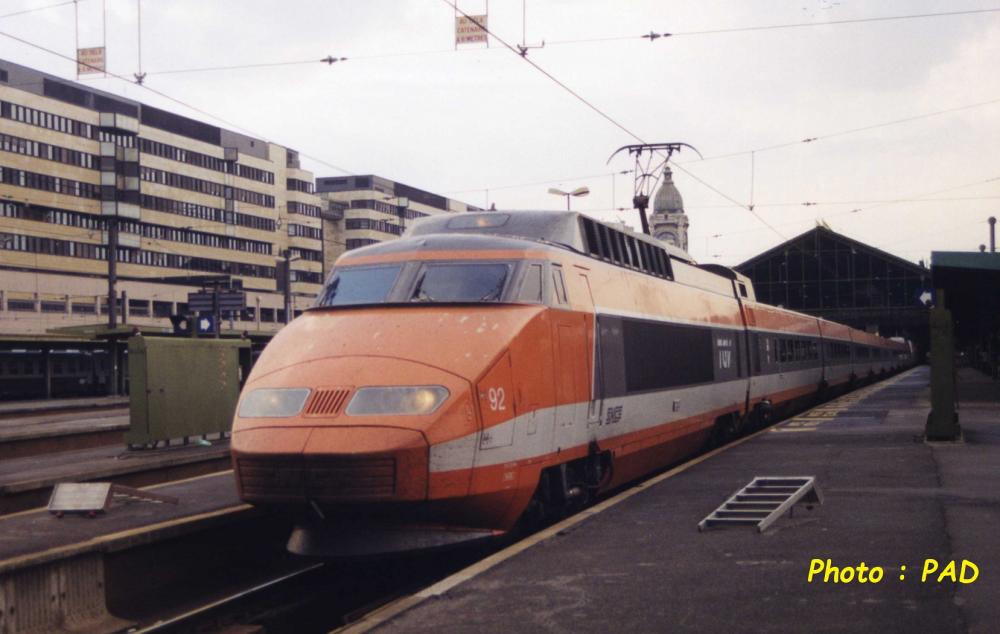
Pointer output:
36, 149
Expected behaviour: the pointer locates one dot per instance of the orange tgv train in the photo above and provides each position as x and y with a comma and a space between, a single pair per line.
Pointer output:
494, 367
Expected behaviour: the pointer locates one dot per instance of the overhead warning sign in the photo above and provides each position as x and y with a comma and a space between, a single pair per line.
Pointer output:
471, 29
90, 60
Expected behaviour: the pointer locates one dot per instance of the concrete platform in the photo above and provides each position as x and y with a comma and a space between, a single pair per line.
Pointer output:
54, 431
62, 574
38, 425
27, 482
37, 537
641, 565
17, 408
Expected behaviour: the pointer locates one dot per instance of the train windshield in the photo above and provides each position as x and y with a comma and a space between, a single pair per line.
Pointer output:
461, 282
359, 285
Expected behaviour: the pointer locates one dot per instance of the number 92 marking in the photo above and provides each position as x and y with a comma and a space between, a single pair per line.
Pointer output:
497, 399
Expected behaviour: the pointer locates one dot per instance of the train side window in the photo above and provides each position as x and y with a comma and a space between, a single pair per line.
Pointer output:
623, 246
743, 290
604, 242
616, 254
662, 261
593, 245
558, 284
784, 351
654, 261
636, 262
531, 285
665, 264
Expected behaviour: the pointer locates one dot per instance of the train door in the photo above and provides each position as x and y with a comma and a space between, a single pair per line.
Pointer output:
745, 351
532, 365
595, 410
571, 361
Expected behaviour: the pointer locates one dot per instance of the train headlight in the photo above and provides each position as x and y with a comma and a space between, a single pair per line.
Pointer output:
422, 399
273, 402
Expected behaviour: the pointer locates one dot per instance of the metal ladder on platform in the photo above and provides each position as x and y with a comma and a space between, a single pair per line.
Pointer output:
763, 501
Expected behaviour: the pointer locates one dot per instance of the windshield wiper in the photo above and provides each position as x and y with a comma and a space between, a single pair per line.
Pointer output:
494, 294
421, 296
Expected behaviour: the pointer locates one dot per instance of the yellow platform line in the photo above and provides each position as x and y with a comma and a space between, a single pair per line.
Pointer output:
391, 610
812, 419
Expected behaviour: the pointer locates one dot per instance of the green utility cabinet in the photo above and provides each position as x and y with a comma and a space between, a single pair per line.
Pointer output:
181, 388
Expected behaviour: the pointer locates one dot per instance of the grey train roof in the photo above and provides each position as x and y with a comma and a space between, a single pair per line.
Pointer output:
444, 242
558, 227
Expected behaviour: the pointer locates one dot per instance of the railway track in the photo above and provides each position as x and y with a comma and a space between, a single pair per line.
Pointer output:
239, 574
320, 597
314, 596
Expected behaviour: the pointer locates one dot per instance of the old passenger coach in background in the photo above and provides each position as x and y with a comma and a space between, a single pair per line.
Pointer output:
490, 367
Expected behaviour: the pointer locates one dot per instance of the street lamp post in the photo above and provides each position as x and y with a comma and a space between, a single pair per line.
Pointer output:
576, 193
288, 258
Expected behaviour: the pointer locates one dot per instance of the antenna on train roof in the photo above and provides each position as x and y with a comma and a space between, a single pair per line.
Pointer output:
647, 173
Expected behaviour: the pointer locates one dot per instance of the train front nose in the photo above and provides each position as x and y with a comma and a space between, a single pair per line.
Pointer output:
345, 430
327, 465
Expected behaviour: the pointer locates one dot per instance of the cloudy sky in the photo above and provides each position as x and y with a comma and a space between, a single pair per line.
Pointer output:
906, 112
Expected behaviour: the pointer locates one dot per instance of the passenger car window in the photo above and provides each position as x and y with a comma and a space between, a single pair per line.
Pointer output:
359, 285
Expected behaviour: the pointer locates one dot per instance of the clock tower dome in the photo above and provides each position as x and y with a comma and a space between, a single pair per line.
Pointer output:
669, 223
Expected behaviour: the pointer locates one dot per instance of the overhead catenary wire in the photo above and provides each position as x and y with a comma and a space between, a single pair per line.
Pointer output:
880, 201
765, 27
330, 60
303, 62
771, 27
913, 198
601, 113
754, 151
955, 228
191, 107
650, 36
866, 128
529, 184
35, 9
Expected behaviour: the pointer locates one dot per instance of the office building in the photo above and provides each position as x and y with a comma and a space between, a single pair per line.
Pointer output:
363, 210
190, 200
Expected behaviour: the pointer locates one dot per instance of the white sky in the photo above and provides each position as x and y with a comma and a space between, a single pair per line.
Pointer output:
408, 107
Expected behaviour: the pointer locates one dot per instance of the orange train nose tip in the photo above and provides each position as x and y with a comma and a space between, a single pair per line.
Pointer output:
333, 464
